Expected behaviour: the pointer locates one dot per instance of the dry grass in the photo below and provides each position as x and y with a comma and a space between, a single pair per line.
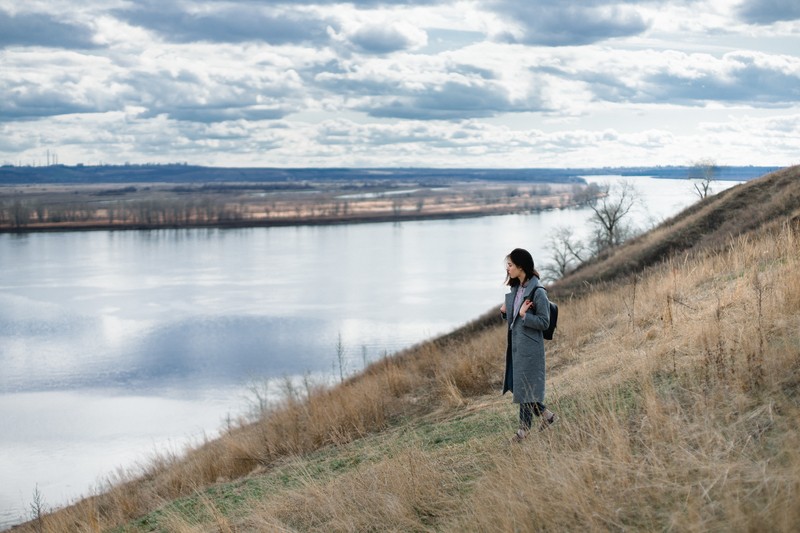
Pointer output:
679, 393
679, 416
399, 493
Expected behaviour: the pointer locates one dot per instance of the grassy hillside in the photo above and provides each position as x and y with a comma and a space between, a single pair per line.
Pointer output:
677, 382
707, 225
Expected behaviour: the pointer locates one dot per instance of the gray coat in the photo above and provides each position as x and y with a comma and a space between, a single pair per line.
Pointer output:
525, 351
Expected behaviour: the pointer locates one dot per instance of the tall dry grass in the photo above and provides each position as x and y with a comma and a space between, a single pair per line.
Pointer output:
405, 492
682, 412
678, 394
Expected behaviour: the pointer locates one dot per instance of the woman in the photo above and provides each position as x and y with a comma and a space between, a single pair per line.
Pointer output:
527, 312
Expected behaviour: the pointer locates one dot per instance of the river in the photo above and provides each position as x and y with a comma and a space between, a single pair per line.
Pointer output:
116, 346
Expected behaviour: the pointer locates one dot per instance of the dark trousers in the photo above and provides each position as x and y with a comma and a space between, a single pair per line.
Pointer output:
526, 412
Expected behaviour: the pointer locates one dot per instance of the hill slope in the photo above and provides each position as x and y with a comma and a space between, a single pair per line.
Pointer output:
678, 390
706, 225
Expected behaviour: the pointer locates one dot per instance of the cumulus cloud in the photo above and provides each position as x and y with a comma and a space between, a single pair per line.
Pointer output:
197, 97
679, 78
447, 87
40, 83
450, 100
210, 83
31, 101
743, 77
542, 22
387, 38
227, 23
421, 96
769, 11
40, 29
385, 82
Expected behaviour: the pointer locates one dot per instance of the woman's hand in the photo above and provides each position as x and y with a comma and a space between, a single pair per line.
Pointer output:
524, 308
503, 309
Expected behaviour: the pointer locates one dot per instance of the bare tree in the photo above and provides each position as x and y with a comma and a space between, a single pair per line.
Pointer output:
38, 510
20, 214
610, 214
340, 356
41, 212
566, 252
585, 194
703, 174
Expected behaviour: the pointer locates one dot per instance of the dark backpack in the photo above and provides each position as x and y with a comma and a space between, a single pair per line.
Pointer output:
548, 333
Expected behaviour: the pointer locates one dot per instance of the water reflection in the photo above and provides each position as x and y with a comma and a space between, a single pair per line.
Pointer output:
66, 443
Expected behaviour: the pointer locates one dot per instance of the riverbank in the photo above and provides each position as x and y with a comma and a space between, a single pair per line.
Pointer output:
137, 206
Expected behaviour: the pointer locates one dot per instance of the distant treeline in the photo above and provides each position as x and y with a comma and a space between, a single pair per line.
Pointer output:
180, 173
146, 213
151, 206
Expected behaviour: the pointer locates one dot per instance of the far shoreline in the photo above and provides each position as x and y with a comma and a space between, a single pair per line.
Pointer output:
152, 197
140, 206
270, 223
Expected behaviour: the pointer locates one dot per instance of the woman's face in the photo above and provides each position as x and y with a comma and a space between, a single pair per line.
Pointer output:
514, 271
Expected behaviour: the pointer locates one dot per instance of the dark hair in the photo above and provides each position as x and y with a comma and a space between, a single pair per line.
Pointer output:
522, 259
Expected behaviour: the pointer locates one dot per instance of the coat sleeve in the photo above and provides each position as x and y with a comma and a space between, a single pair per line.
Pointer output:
538, 317
509, 300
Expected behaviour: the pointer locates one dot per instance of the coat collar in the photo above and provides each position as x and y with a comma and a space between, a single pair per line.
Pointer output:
532, 284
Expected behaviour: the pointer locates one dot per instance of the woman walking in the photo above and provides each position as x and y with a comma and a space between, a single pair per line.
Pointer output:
527, 311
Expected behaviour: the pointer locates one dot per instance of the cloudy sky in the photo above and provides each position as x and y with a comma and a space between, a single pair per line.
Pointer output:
437, 83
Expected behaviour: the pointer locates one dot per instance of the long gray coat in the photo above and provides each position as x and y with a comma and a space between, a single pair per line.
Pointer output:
525, 352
